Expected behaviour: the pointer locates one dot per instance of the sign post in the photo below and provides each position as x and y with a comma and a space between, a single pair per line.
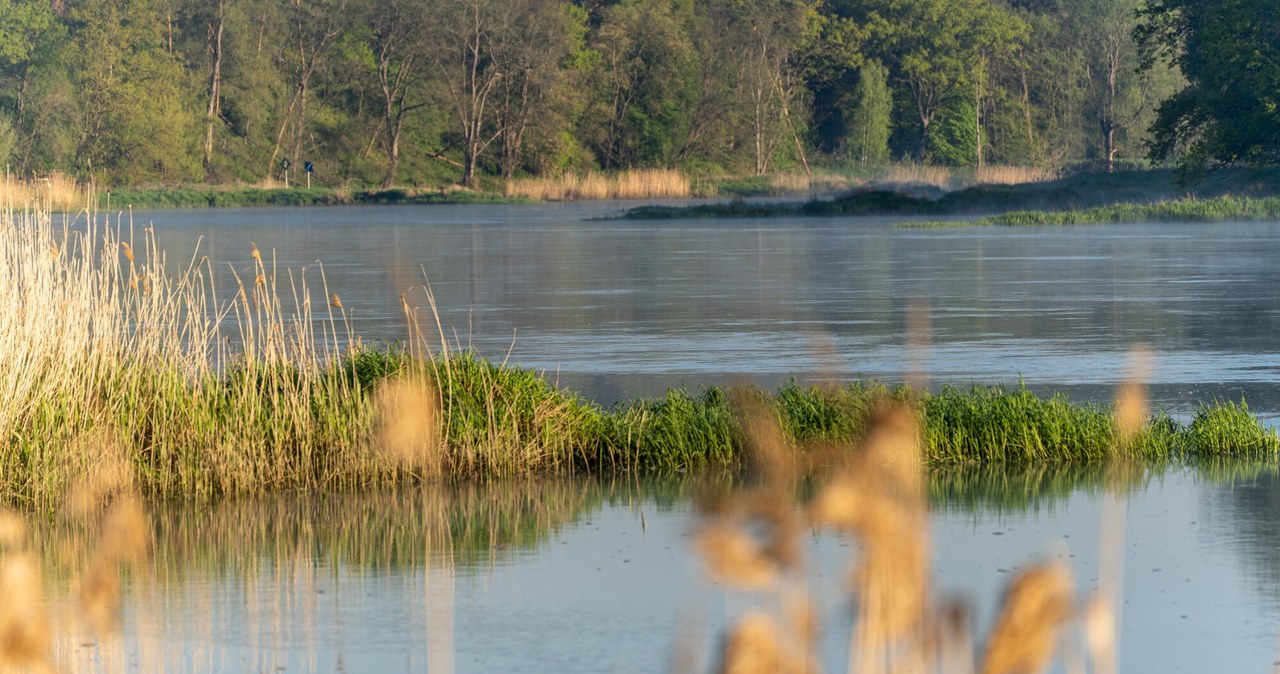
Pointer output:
309, 168
284, 166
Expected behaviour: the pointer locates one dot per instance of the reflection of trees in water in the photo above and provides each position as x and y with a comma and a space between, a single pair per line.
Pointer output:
1245, 514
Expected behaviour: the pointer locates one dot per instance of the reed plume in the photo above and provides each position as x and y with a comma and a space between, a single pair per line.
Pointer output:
409, 419
1037, 603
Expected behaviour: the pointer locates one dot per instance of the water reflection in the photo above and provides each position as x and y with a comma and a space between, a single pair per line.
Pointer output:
584, 575
1246, 516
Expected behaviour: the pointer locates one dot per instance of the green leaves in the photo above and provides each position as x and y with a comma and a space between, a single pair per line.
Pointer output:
1229, 54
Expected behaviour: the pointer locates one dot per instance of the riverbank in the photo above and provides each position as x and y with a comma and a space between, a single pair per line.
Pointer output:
1074, 193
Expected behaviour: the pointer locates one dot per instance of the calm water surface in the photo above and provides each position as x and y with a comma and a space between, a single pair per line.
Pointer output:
584, 577
572, 577
626, 309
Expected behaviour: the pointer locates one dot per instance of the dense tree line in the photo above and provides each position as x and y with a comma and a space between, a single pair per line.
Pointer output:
1230, 51
404, 91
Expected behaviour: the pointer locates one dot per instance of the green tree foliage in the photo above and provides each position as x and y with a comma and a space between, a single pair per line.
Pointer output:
438, 91
645, 84
941, 49
1228, 51
134, 117
872, 116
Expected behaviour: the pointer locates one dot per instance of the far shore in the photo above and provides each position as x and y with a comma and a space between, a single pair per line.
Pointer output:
1139, 195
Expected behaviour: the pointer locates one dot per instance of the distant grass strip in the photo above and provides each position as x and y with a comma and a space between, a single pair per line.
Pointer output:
252, 197
1229, 194
1219, 209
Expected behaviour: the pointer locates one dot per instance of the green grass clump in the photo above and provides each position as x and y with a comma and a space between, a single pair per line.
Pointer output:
675, 433
1228, 429
994, 425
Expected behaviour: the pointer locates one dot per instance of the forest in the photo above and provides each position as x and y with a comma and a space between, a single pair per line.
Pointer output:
427, 92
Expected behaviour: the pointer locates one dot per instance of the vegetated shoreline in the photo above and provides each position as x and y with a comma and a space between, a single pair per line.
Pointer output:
1227, 188
1189, 209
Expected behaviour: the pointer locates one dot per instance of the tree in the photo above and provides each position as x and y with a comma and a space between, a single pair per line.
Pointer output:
539, 63
766, 40
1118, 96
28, 38
135, 119
400, 55
941, 48
645, 83
872, 116
314, 27
1229, 111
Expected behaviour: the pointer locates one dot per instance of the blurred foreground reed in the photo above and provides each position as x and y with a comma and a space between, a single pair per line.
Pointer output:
874, 492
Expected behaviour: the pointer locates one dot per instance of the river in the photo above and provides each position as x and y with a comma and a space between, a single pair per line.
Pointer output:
584, 576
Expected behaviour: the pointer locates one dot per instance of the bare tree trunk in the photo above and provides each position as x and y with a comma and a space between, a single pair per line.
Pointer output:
977, 122
1026, 113
215, 85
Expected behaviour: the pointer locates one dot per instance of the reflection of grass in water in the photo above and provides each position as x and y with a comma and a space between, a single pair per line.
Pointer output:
1011, 489
1023, 488
464, 524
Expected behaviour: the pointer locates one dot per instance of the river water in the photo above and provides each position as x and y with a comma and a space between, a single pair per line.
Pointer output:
624, 309
579, 576
573, 576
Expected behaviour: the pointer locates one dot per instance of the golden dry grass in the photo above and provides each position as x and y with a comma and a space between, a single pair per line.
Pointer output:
954, 179
1013, 175
25, 637
631, 184
55, 191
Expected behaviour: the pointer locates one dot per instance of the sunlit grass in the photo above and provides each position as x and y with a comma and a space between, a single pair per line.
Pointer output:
631, 184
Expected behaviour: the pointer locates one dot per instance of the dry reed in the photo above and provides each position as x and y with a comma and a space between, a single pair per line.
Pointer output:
946, 178
409, 415
55, 191
1037, 603
1013, 175
631, 184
